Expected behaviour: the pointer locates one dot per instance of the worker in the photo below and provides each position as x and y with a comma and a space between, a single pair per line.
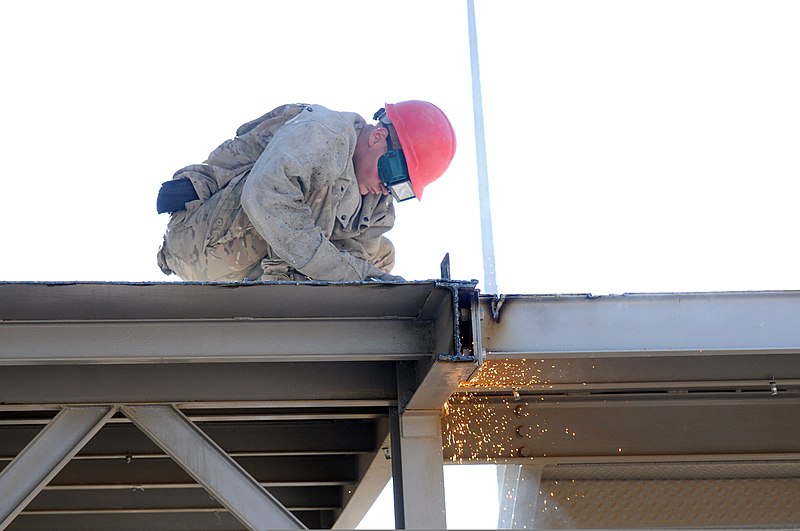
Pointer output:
303, 193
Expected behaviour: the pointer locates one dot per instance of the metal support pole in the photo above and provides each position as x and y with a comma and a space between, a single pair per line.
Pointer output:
487, 238
423, 473
506, 489
46, 455
397, 469
526, 505
520, 501
211, 467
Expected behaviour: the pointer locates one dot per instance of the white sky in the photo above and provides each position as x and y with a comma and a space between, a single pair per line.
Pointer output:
633, 146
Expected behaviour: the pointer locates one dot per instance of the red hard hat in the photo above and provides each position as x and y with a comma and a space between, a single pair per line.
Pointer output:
426, 138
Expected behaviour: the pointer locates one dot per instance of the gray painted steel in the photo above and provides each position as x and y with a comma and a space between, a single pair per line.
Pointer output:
353, 383
600, 391
624, 427
632, 377
187, 301
640, 325
45, 455
293, 382
207, 463
213, 341
423, 477
638, 411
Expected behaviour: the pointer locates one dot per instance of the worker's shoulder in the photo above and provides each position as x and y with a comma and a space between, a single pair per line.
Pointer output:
271, 121
335, 121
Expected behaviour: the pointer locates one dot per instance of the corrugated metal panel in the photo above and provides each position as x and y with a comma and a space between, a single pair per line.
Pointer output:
633, 503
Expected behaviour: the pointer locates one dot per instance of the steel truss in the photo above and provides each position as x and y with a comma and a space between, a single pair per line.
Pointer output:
229, 406
224, 406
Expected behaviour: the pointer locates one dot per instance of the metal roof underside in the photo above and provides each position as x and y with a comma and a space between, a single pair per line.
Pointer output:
294, 381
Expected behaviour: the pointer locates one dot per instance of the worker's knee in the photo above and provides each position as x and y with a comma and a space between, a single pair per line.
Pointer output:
213, 241
384, 258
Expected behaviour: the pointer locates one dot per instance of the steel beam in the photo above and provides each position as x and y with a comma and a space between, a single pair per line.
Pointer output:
214, 341
307, 438
208, 464
45, 455
160, 472
154, 499
348, 384
531, 326
440, 380
620, 428
561, 372
151, 521
191, 301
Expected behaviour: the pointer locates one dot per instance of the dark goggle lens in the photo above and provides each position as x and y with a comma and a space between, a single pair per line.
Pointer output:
393, 171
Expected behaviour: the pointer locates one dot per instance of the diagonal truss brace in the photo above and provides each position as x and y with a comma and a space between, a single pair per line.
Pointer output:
211, 467
46, 455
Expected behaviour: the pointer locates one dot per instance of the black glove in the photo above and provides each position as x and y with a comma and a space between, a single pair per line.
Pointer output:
174, 195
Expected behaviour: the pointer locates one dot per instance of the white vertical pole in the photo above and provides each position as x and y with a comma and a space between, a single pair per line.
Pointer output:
487, 238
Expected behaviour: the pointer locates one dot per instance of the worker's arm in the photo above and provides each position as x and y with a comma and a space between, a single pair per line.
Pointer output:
236, 155
303, 156
367, 241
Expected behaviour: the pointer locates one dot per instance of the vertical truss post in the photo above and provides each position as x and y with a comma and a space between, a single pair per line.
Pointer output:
211, 467
46, 455
397, 470
423, 471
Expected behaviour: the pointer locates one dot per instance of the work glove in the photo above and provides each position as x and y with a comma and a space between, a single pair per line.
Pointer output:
174, 195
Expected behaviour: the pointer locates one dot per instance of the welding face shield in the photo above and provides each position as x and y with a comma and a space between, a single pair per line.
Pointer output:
392, 166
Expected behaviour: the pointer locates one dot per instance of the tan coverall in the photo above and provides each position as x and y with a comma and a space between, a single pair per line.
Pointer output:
281, 202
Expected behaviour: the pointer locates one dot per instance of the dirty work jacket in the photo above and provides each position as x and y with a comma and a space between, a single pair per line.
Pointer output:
281, 201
